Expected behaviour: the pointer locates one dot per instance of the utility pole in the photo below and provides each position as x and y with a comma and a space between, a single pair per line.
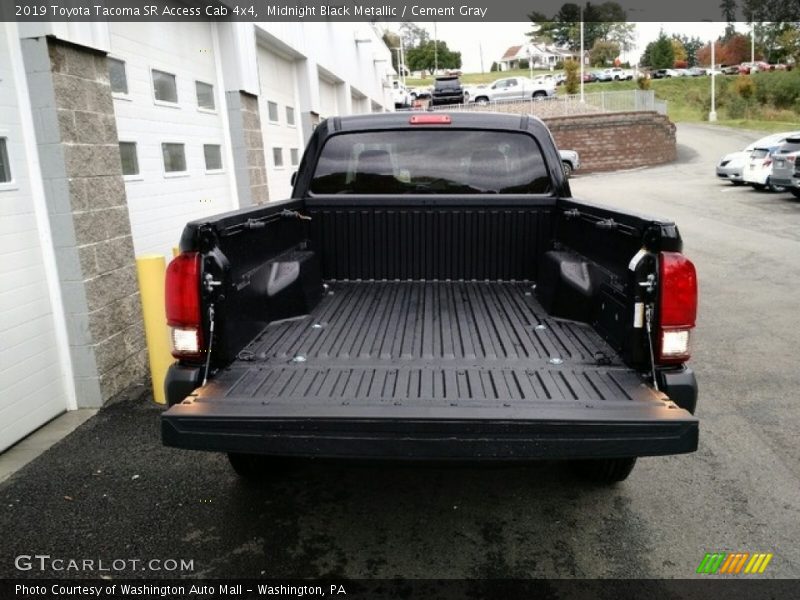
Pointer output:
480, 49
752, 43
712, 116
402, 61
581, 58
435, 49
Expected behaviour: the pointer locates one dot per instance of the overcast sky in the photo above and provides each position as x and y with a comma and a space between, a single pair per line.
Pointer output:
493, 38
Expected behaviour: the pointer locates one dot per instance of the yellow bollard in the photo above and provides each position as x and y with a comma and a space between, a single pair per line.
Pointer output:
151, 270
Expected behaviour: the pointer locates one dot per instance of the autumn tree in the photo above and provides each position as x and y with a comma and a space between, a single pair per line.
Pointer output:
678, 51
603, 53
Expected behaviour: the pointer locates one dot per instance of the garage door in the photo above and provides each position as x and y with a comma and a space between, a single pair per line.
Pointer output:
328, 105
360, 103
279, 120
32, 384
193, 135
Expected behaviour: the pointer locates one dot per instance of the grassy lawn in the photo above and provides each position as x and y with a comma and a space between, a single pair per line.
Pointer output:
688, 99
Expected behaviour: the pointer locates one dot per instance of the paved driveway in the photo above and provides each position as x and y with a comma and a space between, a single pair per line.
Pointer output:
110, 491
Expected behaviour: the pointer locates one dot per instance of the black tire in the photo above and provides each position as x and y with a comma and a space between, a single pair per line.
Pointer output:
567, 169
254, 468
604, 471
737, 183
539, 94
777, 189
795, 192
482, 100
759, 186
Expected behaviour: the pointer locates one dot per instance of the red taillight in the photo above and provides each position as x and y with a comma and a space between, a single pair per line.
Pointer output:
430, 120
678, 307
183, 305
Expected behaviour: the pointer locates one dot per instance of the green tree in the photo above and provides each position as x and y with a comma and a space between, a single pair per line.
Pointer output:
603, 53
572, 82
392, 41
659, 53
426, 56
606, 21
413, 35
729, 13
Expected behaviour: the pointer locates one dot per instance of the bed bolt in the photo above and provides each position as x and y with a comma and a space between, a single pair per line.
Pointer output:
299, 359
554, 360
541, 327
316, 326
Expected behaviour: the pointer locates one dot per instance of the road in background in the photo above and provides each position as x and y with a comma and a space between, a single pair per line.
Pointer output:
111, 491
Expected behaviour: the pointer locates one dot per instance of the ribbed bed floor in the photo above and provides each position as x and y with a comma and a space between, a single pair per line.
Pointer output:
429, 343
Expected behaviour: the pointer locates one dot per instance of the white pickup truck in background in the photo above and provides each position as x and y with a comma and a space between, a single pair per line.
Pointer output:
510, 88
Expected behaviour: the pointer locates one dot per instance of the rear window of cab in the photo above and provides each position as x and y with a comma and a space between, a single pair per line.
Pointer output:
431, 161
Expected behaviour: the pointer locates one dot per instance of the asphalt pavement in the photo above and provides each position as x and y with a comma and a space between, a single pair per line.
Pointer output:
110, 491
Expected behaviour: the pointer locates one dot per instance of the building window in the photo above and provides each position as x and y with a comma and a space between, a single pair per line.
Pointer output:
213, 155
289, 115
127, 155
164, 86
117, 76
277, 157
5, 167
272, 111
174, 158
295, 156
205, 95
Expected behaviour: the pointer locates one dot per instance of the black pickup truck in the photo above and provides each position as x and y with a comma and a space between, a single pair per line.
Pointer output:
432, 291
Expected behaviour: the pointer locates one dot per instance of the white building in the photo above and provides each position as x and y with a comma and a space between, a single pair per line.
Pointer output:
112, 137
537, 55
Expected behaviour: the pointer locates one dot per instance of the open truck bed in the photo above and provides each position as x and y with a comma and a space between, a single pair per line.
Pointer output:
430, 369
388, 309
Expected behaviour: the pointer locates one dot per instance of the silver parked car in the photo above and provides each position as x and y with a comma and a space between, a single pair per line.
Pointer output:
570, 161
731, 166
786, 166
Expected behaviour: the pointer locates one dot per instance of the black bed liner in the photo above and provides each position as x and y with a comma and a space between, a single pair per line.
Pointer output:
415, 364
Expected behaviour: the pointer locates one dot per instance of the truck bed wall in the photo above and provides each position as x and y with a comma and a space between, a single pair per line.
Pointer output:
576, 253
455, 239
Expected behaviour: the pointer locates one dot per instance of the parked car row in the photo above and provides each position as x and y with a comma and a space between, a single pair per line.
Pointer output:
771, 163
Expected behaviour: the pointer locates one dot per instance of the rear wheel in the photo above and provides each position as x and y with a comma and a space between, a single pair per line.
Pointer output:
255, 468
539, 94
795, 192
605, 471
737, 182
775, 188
482, 100
567, 169
759, 186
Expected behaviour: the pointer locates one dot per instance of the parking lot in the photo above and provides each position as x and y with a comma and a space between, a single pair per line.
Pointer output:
114, 493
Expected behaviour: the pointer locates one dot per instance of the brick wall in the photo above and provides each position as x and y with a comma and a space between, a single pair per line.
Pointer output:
614, 141
248, 148
76, 135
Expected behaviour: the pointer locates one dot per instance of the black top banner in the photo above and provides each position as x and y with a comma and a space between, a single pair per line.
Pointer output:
391, 10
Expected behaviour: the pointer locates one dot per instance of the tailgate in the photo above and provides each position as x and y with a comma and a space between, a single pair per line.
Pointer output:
544, 430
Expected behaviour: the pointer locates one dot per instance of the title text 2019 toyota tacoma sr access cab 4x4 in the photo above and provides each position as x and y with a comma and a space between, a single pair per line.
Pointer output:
431, 290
